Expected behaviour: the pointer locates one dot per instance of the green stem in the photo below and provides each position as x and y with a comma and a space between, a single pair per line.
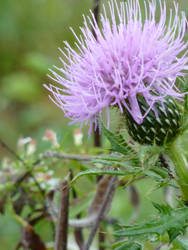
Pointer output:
181, 167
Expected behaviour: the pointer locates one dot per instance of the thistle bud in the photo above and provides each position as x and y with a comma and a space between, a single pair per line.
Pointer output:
161, 124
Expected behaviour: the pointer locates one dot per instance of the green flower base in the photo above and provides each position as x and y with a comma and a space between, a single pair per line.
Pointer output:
159, 130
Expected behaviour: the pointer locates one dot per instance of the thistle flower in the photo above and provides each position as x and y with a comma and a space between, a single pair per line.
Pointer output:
131, 54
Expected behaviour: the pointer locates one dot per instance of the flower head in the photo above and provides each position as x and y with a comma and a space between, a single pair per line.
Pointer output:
130, 54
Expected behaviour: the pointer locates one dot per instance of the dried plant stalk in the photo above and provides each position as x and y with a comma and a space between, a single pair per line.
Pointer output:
62, 223
103, 207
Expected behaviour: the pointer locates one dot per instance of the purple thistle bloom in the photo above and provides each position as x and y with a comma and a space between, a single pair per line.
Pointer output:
128, 56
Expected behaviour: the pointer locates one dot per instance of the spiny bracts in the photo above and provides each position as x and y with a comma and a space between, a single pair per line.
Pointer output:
161, 124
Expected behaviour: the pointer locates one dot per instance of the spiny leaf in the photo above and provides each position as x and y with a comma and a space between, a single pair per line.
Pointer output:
148, 152
161, 176
173, 221
97, 172
157, 173
118, 159
129, 246
112, 157
173, 233
118, 143
163, 209
126, 165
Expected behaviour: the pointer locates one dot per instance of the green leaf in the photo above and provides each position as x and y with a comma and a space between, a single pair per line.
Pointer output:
157, 173
127, 166
173, 221
127, 246
118, 143
96, 172
147, 152
173, 233
180, 244
116, 158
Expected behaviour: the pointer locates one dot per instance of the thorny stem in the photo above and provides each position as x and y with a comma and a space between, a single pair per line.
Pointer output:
101, 212
62, 224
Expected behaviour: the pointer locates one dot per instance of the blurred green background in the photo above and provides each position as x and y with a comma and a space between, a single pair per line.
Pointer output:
30, 33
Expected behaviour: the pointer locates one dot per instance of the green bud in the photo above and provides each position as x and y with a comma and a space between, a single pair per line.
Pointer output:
159, 130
